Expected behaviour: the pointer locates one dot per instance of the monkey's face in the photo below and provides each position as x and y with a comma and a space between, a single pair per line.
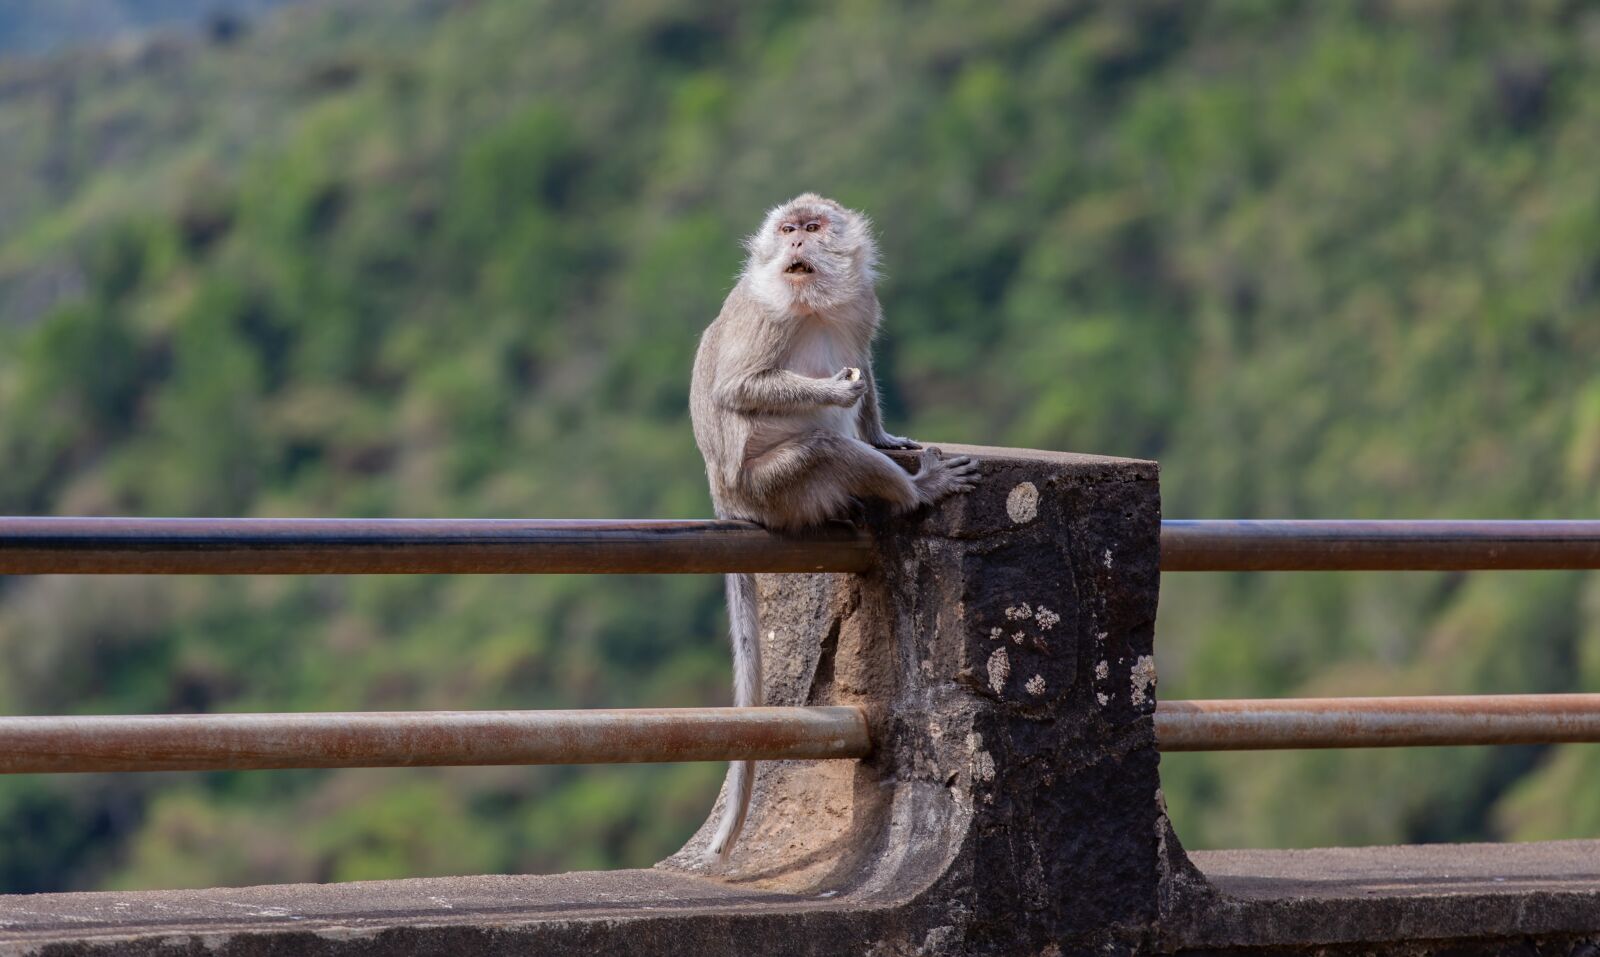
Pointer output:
805, 242
815, 250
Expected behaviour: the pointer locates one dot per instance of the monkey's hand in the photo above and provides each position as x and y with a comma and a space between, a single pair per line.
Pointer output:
849, 385
884, 440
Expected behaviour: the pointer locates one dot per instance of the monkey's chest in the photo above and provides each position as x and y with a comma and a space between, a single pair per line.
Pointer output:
817, 351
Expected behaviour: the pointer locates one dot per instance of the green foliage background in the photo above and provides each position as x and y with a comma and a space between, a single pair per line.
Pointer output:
420, 258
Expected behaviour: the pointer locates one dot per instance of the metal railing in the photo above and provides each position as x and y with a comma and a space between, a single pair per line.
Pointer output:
1278, 723
272, 546
36, 546
1347, 546
1377, 722
386, 546
368, 739
192, 546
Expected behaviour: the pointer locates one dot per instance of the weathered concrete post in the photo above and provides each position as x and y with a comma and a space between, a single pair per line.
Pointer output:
1012, 805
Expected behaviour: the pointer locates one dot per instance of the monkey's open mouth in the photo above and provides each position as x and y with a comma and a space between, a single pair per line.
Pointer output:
797, 267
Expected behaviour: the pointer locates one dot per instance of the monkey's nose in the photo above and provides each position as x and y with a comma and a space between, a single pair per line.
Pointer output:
797, 243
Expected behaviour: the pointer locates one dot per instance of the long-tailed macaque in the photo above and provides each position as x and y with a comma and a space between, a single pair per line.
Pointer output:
786, 412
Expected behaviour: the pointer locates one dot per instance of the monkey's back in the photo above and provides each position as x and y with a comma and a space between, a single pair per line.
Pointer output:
720, 433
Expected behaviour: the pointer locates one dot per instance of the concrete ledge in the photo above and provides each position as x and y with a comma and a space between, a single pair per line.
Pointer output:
1378, 895
645, 912
1429, 899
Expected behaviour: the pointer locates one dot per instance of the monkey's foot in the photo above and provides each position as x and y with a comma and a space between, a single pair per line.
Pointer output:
939, 477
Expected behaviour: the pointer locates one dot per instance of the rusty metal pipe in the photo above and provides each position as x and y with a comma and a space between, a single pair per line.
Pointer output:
1293, 723
204, 546
1214, 546
218, 742
273, 546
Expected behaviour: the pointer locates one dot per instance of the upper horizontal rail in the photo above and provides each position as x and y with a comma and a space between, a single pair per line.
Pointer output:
294, 546
272, 546
1290, 723
217, 742
1226, 545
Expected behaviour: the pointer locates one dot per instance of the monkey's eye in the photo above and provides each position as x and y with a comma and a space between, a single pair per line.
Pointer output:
786, 228
813, 227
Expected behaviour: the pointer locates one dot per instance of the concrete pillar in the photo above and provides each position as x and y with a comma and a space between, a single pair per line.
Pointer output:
1003, 648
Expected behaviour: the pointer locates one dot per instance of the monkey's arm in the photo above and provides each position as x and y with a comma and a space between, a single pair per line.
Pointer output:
781, 391
869, 420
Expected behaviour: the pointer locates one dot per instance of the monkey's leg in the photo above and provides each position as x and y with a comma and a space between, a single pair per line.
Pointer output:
865, 472
815, 477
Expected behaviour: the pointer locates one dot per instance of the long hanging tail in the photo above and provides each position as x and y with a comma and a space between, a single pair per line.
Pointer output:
745, 631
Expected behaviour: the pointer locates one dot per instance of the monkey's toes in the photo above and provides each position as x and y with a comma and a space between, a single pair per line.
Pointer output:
961, 473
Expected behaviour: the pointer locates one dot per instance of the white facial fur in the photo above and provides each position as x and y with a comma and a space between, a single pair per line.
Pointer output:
839, 251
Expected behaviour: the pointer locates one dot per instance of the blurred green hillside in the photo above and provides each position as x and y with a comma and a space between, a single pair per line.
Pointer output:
32, 27
424, 258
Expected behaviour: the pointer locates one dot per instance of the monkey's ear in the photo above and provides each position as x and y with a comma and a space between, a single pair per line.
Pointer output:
858, 231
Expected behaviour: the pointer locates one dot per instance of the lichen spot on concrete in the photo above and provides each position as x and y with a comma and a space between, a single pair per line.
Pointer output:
1107, 558
1144, 677
1102, 670
1103, 698
1020, 612
1023, 503
1046, 618
997, 633
1018, 638
982, 760
999, 670
1035, 685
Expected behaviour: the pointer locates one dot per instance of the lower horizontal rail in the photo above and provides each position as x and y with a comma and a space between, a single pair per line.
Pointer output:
1291, 723
1348, 545
221, 742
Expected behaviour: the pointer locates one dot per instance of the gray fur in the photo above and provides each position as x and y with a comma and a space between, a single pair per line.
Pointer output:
785, 411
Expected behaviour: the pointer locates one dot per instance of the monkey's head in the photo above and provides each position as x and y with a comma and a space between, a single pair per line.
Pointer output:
813, 253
